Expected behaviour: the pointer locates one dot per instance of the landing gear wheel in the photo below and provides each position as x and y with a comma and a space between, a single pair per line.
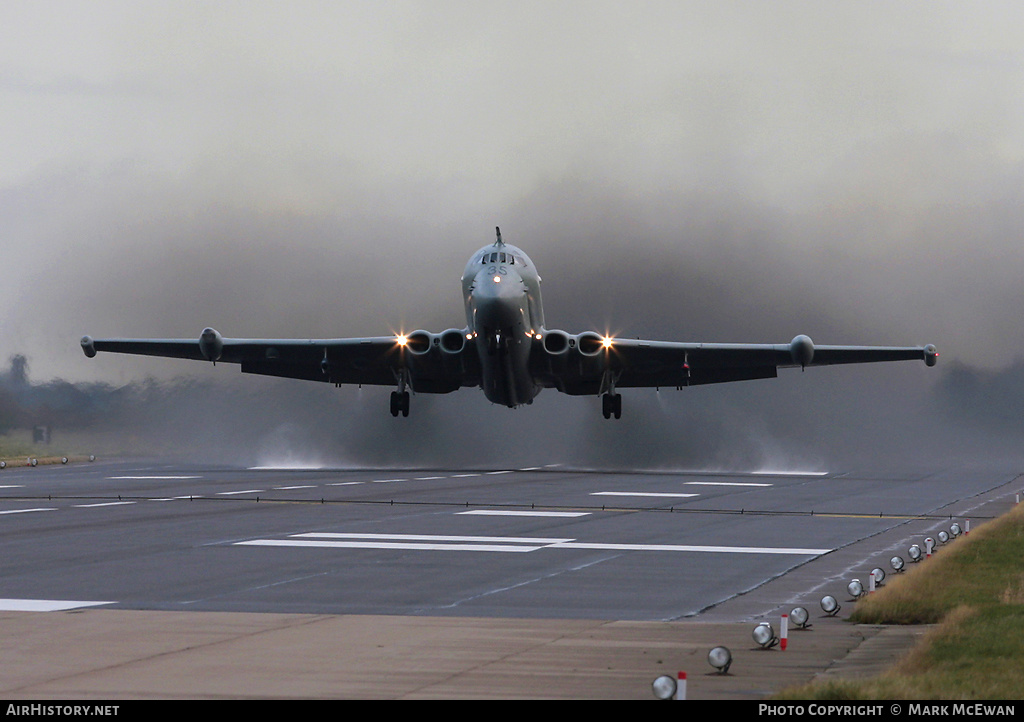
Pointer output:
611, 405
400, 403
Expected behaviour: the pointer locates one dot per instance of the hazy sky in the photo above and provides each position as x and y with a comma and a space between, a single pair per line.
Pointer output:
731, 171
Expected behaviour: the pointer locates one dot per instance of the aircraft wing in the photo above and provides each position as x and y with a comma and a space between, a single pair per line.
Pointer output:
637, 363
380, 360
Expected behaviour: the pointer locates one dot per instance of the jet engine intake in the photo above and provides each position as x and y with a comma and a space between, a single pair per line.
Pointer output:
590, 343
211, 344
556, 343
418, 342
453, 341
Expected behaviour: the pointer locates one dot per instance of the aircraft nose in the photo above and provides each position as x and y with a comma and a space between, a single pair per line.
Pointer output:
498, 299
499, 285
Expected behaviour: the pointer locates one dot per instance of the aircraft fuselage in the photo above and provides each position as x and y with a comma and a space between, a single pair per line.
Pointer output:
505, 319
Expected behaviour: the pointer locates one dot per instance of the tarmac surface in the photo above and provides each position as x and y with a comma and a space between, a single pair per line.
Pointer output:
189, 626
126, 654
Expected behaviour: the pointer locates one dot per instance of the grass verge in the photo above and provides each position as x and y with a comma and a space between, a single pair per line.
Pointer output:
973, 591
16, 446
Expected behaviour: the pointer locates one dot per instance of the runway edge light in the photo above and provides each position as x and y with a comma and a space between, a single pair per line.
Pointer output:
764, 635
721, 659
829, 605
665, 687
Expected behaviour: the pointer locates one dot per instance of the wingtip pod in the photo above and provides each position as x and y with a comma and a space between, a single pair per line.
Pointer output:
211, 344
931, 355
802, 350
88, 347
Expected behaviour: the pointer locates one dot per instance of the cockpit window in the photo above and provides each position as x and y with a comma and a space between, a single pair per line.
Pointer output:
498, 257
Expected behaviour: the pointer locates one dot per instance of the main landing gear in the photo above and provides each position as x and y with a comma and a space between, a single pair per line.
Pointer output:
611, 404
399, 403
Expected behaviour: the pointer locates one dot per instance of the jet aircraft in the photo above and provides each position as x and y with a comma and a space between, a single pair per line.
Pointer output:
507, 350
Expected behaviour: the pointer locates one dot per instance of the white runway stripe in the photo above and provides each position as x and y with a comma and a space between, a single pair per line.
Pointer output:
430, 542
44, 605
436, 538
727, 483
160, 478
642, 493
696, 548
497, 512
104, 503
412, 546
25, 511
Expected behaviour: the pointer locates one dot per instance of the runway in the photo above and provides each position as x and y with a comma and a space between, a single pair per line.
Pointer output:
148, 579
541, 543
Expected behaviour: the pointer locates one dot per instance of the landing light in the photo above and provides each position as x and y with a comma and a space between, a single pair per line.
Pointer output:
402, 340
606, 341
955, 530
897, 563
914, 552
879, 575
497, 279
855, 588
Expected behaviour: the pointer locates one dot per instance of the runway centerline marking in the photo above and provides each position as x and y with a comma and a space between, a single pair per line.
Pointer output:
25, 511
434, 542
104, 503
298, 486
728, 483
157, 478
245, 491
434, 537
409, 546
643, 493
499, 512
